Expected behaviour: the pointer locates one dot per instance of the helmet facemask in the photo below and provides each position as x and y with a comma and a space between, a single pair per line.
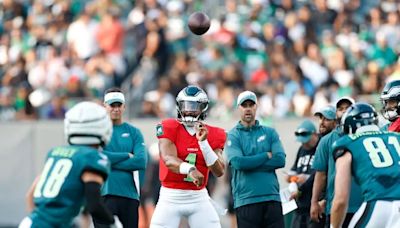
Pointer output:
189, 112
390, 98
390, 113
192, 105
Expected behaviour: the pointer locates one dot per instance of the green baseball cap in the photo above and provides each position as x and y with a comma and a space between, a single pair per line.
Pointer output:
304, 131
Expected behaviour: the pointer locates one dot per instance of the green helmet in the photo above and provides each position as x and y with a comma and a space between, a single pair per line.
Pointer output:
391, 92
358, 115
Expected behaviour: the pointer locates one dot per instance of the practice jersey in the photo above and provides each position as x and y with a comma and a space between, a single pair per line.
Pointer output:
59, 193
188, 150
395, 126
375, 162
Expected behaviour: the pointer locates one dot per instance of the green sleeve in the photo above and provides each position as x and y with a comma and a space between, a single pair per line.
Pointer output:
321, 158
278, 155
139, 159
237, 160
339, 147
116, 157
96, 162
248, 162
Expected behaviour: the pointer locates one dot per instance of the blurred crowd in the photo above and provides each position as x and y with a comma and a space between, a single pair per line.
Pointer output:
297, 56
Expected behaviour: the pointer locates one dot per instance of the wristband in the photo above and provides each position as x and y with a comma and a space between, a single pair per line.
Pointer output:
185, 167
208, 153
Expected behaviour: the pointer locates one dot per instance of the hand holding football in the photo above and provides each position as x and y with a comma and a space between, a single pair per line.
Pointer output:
199, 23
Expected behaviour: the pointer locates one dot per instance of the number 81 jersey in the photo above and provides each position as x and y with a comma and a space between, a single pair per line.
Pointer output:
375, 162
188, 150
59, 193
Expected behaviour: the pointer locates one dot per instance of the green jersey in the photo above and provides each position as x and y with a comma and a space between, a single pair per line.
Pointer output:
375, 162
324, 162
59, 194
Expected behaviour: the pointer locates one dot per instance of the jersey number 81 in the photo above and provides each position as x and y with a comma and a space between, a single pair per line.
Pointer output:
378, 151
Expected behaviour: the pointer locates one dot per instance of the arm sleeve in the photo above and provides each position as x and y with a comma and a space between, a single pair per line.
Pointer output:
116, 157
278, 154
139, 159
248, 162
95, 205
321, 155
236, 158
339, 148
167, 129
98, 163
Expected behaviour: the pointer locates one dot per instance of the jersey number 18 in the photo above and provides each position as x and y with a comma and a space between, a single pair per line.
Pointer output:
49, 184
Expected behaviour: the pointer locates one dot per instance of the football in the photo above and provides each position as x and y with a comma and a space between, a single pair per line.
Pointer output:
199, 23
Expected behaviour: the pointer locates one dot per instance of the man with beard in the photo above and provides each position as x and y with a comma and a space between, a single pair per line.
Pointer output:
324, 165
254, 152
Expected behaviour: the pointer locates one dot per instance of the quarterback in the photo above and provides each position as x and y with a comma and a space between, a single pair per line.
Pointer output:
189, 149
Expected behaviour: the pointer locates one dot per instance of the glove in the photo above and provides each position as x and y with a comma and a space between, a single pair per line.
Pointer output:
117, 223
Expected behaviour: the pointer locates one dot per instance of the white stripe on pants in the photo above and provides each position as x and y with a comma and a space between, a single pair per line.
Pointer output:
386, 214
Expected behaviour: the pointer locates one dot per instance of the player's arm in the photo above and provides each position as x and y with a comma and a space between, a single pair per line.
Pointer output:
341, 198
94, 203
218, 167
213, 158
169, 155
316, 210
29, 195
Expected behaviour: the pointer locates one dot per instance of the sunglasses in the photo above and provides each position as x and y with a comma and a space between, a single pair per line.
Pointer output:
302, 133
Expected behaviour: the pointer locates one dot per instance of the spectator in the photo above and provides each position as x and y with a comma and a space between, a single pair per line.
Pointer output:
81, 36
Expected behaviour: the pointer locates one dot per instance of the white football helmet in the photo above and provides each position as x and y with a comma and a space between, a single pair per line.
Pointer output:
191, 104
87, 123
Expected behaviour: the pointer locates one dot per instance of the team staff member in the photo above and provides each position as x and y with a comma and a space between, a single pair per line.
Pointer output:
127, 154
189, 150
327, 123
302, 173
254, 152
324, 162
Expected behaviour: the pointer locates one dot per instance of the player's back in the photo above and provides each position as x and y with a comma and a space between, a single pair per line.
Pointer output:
375, 163
59, 194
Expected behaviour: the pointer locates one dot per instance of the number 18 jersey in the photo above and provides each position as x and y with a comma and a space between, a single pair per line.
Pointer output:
59, 193
375, 162
188, 150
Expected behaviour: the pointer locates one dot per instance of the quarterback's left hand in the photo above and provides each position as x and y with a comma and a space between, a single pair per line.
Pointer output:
201, 131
